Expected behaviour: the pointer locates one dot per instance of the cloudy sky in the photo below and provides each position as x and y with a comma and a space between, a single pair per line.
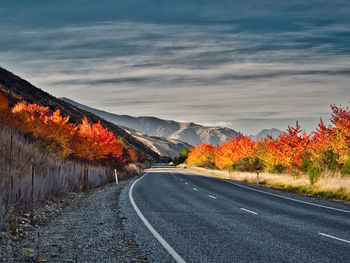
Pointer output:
248, 65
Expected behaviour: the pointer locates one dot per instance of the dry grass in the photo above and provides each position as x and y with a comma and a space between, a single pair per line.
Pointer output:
52, 175
335, 186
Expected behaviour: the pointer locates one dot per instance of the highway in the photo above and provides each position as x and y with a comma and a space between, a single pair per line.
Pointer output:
176, 215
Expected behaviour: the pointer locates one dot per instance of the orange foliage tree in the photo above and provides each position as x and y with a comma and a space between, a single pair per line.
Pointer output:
266, 150
132, 155
340, 133
54, 130
202, 155
4, 112
59, 133
291, 147
94, 142
30, 117
88, 141
320, 144
233, 151
325, 148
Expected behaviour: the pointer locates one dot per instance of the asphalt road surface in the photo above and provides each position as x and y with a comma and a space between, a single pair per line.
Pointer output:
178, 215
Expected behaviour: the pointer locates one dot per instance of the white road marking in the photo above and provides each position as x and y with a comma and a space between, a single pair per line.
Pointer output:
288, 198
280, 196
336, 238
161, 240
248, 211
212, 196
195, 189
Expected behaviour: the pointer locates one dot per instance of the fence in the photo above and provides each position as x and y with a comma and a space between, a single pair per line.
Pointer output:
29, 174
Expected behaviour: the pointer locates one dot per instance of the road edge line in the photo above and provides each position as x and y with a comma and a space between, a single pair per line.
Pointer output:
268, 193
160, 239
289, 198
333, 237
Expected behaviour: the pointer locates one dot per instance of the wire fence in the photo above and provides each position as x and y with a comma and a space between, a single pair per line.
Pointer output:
28, 174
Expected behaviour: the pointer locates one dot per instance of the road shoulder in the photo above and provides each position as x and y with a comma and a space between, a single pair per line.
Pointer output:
86, 228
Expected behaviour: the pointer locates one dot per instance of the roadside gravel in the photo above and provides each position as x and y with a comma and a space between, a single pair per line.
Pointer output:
88, 229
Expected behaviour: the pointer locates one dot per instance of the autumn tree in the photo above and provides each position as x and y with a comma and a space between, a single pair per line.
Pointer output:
233, 151
266, 151
202, 155
94, 142
340, 133
131, 155
30, 117
4, 111
289, 148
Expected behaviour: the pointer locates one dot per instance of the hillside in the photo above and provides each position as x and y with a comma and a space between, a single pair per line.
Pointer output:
188, 132
17, 89
162, 146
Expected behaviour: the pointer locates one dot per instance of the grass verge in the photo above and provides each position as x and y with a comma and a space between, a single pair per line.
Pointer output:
332, 186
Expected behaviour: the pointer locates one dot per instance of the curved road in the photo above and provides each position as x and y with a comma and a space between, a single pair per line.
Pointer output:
178, 215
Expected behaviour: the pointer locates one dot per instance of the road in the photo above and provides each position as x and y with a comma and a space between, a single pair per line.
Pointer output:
178, 215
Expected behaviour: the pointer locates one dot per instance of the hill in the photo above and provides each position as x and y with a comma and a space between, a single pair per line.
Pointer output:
17, 89
188, 132
162, 146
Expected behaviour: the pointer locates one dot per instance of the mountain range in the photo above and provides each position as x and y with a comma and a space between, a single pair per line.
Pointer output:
154, 131
188, 132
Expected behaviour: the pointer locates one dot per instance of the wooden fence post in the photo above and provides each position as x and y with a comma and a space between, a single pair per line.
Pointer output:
31, 216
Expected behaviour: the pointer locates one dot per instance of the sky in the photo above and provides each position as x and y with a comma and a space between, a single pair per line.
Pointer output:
247, 65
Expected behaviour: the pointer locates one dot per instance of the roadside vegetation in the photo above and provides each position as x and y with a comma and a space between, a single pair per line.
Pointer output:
317, 163
42, 154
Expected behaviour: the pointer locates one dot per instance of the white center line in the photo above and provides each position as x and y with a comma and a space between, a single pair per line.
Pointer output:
336, 238
248, 211
195, 189
211, 196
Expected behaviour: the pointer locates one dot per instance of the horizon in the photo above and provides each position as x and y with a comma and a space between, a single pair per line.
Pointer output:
246, 66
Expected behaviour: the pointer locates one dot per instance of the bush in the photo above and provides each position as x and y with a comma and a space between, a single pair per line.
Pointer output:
249, 164
330, 161
346, 167
277, 168
314, 173
305, 164
182, 157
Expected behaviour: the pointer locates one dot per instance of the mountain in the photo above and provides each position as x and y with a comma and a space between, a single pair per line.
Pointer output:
17, 89
188, 132
162, 146
274, 133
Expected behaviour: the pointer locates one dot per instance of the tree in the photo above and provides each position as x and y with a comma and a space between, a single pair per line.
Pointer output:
94, 142
202, 155
340, 133
4, 111
291, 147
233, 151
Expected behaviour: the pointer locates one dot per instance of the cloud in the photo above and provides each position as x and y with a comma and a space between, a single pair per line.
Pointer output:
206, 73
